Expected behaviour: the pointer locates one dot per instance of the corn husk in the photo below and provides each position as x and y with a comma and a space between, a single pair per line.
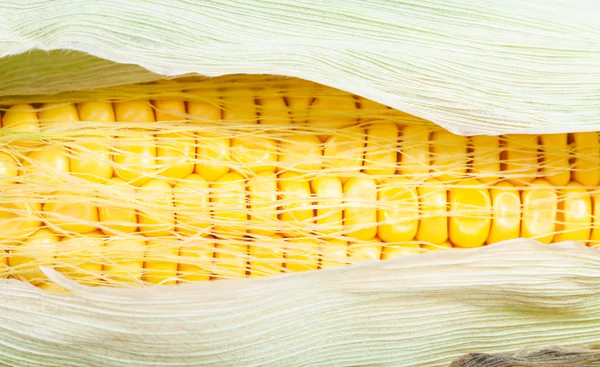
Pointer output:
422, 310
472, 67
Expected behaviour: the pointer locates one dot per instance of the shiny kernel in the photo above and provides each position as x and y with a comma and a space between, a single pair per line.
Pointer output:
538, 218
360, 213
506, 212
162, 257
68, 212
58, 114
116, 212
365, 251
254, 153
328, 192
192, 206
196, 259
228, 196
47, 165
301, 254
274, 111
398, 212
175, 154
470, 209
231, 260
415, 158
398, 250
485, 156
9, 169
204, 111
80, 257
135, 156
134, 111
433, 223
334, 253
266, 255
555, 159
96, 111
329, 113
300, 152
124, 258
586, 166
239, 106
343, 152
156, 214
37, 250
520, 158
22, 120
213, 155
449, 155
262, 199
574, 217
296, 211
382, 149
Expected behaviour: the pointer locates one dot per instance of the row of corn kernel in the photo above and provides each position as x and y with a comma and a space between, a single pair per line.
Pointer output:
381, 148
469, 213
98, 259
421, 154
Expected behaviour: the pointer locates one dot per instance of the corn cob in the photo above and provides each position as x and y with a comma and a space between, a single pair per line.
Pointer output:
256, 185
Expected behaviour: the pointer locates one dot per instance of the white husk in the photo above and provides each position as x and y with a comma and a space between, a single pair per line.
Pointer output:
421, 310
471, 66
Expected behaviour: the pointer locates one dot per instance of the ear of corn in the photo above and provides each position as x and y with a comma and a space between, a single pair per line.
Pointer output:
214, 183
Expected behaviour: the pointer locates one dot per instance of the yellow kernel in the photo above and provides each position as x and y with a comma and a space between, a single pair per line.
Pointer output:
540, 203
382, 149
22, 120
266, 255
301, 254
555, 159
398, 213
328, 191
65, 212
213, 156
37, 250
231, 260
296, 204
228, 196
521, 158
433, 224
586, 160
157, 215
191, 198
124, 258
334, 253
80, 257
485, 164
365, 251
343, 152
262, 199
301, 153
470, 209
506, 212
360, 213
449, 155
574, 217
117, 213
162, 256
415, 157
196, 259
